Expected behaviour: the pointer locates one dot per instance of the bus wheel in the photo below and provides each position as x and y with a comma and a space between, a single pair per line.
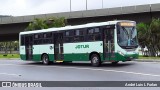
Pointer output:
45, 59
95, 60
114, 63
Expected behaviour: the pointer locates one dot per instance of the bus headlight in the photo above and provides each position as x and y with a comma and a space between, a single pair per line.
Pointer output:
121, 53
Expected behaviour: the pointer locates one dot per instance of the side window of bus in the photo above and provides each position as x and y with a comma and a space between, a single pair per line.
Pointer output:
38, 39
47, 38
79, 35
97, 34
35, 39
94, 34
22, 40
35, 36
68, 36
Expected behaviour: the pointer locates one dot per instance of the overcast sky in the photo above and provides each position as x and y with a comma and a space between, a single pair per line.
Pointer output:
31, 7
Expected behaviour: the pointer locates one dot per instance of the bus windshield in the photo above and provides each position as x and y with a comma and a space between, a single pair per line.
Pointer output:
127, 36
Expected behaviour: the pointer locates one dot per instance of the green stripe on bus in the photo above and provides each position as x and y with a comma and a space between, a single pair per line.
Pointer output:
81, 57
37, 57
119, 57
23, 57
76, 57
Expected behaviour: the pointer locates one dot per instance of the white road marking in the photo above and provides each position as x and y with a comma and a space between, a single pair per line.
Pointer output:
145, 74
9, 74
93, 69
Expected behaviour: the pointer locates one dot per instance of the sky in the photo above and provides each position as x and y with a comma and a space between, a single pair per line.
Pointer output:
33, 7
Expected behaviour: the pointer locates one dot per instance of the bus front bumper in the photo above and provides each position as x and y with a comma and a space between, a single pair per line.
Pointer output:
128, 57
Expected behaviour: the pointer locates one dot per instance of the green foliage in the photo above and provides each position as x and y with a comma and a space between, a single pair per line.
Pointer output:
9, 56
38, 24
9, 46
149, 35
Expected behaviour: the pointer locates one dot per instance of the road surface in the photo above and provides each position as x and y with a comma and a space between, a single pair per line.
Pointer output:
17, 70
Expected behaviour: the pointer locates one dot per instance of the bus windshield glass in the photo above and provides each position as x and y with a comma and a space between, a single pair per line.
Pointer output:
127, 35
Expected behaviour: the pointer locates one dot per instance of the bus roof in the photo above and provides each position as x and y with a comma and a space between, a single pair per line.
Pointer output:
75, 27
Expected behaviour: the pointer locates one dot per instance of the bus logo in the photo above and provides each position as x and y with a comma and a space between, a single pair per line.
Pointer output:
82, 46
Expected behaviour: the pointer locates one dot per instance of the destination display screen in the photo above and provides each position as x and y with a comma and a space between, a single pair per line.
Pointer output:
127, 24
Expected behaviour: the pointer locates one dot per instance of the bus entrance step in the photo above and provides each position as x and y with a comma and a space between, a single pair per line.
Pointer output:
59, 61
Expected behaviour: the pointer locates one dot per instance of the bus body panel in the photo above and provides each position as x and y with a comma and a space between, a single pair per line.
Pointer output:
39, 50
22, 53
81, 51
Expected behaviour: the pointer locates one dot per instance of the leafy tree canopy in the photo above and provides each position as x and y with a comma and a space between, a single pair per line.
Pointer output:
149, 36
38, 24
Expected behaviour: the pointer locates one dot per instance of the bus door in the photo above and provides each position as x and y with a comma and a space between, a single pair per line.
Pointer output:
29, 47
108, 43
58, 47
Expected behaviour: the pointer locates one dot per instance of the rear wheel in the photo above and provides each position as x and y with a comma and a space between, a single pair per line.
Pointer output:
45, 59
95, 60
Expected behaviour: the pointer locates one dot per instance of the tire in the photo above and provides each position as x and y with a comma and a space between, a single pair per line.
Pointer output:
95, 60
114, 63
45, 59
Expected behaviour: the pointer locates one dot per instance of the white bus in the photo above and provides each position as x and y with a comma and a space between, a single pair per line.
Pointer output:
111, 41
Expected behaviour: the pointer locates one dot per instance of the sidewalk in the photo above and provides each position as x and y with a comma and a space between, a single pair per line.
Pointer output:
147, 60
9, 58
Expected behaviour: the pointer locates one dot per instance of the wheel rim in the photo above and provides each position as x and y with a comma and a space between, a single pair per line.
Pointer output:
45, 59
95, 60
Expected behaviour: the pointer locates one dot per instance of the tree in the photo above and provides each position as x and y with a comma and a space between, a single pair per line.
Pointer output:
38, 24
142, 30
149, 36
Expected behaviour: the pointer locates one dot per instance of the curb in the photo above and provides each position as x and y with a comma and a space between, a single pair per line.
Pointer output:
147, 60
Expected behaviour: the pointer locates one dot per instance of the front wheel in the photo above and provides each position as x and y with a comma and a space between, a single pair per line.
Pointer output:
95, 60
45, 59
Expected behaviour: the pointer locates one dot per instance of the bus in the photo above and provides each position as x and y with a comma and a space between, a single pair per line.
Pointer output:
110, 41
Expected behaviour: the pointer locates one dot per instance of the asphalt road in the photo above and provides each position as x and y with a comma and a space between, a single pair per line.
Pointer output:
17, 70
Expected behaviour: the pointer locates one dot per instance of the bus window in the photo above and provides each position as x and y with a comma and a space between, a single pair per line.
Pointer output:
96, 30
90, 31
67, 33
68, 39
78, 35
78, 38
79, 32
36, 36
94, 34
97, 37
22, 40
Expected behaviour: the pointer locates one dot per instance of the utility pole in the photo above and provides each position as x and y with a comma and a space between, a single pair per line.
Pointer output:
151, 13
86, 4
102, 4
70, 5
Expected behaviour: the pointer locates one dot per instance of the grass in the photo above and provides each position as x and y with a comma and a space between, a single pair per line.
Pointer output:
141, 57
9, 56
